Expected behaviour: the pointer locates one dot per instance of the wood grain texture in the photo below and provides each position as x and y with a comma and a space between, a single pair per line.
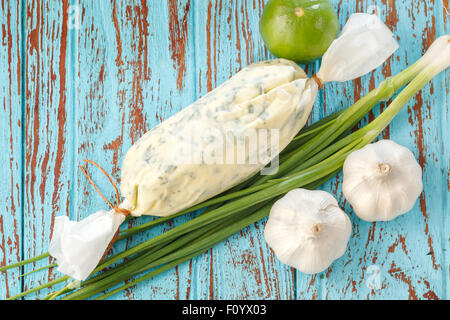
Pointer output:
85, 79
11, 131
48, 156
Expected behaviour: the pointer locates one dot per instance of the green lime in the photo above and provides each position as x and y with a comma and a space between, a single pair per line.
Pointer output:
299, 30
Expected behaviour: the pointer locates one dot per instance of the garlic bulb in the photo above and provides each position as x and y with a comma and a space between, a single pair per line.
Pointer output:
307, 230
381, 181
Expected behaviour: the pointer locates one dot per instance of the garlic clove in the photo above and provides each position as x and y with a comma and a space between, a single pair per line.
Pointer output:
381, 181
307, 230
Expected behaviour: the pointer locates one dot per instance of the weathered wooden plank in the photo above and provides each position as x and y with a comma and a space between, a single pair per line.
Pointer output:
48, 166
140, 73
11, 204
334, 97
444, 27
408, 251
242, 267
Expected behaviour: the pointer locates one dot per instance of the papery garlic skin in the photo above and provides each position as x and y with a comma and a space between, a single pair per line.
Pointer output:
307, 230
381, 181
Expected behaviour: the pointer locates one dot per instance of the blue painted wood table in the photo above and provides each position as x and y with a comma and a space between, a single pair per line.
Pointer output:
86, 79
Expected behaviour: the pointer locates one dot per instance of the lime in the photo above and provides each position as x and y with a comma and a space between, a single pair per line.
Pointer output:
299, 30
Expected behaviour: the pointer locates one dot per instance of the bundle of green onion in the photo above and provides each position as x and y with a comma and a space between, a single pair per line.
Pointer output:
315, 155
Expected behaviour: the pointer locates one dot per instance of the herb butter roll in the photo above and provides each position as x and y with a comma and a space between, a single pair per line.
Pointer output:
272, 95
167, 169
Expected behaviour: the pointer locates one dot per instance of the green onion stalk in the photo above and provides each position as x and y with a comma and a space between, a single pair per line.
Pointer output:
315, 155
